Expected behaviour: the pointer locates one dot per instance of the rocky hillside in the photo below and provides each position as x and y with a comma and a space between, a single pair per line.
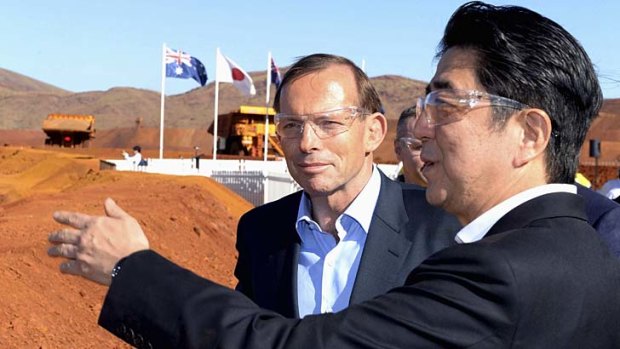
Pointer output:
26, 102
126, 116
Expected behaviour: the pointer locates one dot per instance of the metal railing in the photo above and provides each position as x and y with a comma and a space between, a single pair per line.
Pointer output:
257, 187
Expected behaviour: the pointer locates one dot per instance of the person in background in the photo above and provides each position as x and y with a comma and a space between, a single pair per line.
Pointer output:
611, 188
407, 149
604, 215
136, 159
583, 180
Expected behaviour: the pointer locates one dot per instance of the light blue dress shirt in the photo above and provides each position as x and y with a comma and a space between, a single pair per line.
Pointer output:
326, 270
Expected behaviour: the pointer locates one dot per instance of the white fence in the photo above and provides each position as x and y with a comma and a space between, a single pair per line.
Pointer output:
257, 187
188, 167
258, 182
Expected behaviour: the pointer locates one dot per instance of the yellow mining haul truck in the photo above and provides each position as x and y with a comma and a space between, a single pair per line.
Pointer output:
242, 132
69, 130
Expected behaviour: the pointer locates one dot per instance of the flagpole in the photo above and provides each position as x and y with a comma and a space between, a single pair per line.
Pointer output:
267, 90
161, 114
215, 109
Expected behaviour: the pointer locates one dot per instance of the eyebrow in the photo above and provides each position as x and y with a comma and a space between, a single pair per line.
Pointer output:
438, 85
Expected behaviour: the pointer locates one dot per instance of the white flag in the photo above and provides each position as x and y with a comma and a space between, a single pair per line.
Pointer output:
229, 71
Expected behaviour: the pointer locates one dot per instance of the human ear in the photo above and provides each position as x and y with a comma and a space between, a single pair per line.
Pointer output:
376, 129
535, 134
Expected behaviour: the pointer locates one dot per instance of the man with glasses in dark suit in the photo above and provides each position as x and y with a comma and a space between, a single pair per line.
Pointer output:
352, 233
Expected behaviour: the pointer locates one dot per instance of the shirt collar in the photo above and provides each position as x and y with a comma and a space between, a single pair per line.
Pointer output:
363, 206
479, 227
358, 210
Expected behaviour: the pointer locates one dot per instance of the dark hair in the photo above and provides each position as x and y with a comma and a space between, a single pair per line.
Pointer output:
404, 116
137, 148
367, 95
529, 58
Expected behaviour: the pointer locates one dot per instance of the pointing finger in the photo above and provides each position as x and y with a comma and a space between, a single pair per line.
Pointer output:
74, 219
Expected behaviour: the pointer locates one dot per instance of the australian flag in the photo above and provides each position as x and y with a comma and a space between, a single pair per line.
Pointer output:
183, 66
276, 77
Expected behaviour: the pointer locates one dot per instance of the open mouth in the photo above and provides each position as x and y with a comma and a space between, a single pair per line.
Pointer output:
427, 166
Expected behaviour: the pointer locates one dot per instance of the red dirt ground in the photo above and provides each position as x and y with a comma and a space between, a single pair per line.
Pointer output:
191, 220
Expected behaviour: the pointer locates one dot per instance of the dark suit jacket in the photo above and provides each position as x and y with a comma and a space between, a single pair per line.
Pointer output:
604, 216
404, 231
541, 278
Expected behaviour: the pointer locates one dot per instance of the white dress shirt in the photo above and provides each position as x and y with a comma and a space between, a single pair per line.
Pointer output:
479, 227
134, 159
326, 270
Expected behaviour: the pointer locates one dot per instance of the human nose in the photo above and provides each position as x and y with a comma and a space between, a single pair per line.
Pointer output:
423, 129
309, 137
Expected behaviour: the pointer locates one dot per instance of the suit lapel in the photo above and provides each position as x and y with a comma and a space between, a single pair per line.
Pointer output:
285, 259
385, 247
291, 305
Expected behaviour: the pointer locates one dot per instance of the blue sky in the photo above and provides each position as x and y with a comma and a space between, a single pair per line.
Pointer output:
96, 45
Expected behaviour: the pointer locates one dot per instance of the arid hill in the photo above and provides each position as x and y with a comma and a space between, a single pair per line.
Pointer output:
12, 83
191, 220
128, 116
124, 107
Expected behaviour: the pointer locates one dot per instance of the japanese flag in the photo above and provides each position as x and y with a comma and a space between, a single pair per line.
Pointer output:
229, 71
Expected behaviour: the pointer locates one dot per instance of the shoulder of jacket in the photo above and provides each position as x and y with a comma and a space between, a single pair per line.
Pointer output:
284, 203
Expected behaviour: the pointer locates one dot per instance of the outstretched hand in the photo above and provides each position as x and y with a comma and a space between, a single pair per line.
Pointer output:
94, 244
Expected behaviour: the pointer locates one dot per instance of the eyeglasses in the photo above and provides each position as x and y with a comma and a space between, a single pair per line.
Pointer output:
412, 144
445, 106
325, 124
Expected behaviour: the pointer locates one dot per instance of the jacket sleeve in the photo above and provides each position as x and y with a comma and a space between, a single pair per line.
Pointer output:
449, 301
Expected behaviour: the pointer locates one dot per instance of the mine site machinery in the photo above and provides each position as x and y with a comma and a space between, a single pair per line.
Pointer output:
242, 132
69, 130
